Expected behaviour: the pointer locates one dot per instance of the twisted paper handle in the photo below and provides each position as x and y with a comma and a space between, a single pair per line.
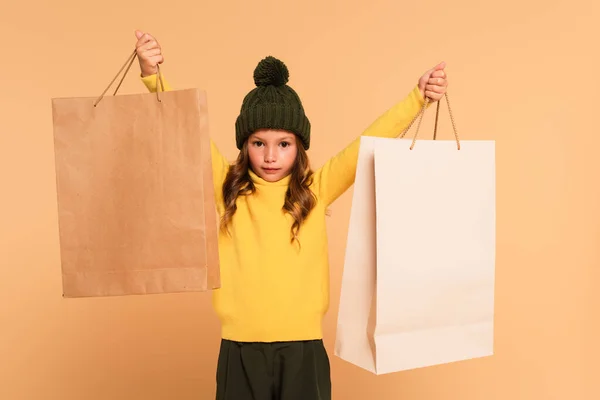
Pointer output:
437, 112
127, 65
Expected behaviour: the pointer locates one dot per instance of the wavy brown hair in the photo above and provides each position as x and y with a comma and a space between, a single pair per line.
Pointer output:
299, 198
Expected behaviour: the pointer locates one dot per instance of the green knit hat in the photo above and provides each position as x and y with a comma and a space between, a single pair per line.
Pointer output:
272, 104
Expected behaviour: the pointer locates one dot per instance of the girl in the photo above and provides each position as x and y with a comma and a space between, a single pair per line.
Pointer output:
273, 243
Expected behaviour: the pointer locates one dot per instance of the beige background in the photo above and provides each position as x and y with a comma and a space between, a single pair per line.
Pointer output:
524, 73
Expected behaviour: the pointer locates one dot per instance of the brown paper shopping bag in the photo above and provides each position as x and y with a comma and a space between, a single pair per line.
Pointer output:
418, 279
136, 207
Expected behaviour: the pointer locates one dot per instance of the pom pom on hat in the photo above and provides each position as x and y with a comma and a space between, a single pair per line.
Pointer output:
271, 72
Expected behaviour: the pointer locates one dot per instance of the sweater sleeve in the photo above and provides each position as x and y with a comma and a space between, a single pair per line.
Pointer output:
338, 173
220, 165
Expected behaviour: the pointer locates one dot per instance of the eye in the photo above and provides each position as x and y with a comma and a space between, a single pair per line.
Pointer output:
285, 144
257, 143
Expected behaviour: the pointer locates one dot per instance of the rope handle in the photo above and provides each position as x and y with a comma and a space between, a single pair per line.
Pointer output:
437, 113
127, 66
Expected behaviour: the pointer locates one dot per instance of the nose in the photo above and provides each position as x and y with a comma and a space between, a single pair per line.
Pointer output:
270, 154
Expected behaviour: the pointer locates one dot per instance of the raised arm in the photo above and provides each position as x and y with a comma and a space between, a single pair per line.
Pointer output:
338, 173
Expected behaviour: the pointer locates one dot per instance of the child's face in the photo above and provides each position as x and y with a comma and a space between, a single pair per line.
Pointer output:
272, 153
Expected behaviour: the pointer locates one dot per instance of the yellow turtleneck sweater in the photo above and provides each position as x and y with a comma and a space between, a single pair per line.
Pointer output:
273, 290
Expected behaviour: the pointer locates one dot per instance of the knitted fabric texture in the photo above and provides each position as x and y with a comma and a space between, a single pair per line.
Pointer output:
272, 105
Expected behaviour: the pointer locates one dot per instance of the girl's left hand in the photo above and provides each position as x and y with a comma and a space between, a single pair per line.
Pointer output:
433, 83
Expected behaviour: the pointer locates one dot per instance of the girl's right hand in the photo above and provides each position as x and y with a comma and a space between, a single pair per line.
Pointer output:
148, 52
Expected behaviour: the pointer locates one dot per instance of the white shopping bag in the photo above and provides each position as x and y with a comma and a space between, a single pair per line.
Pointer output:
418, 280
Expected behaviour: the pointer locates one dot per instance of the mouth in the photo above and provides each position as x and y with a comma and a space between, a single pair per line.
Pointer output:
271, 170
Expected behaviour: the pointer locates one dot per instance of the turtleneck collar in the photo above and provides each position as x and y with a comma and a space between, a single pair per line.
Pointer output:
261, 182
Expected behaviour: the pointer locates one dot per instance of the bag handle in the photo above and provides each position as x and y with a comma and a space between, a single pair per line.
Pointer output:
437, 113
127, 65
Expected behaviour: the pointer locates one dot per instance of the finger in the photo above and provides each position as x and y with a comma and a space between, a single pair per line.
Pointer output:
151, 45
138, 34
440, 66
437, 81
439, 74
151, 53
146, 37
434, 88
433, 95
156, 60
